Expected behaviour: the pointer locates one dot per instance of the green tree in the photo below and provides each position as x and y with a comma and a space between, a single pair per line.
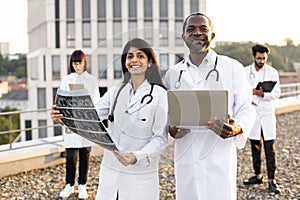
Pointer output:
281, 57
21, 72
4, 121
236, 50
9, 67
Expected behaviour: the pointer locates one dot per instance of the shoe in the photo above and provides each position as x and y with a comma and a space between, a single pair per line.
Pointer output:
253, 180
67, 191
274, 188
82, 192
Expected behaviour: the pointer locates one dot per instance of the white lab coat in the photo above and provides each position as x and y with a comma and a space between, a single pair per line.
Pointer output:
265, 108
141, 129
206, 164
73, 140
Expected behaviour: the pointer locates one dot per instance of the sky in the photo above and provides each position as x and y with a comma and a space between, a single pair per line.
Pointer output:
263, 21
13, 25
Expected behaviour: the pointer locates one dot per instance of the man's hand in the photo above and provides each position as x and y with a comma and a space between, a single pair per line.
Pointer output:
56, 115
225, 129
125, 158
259, 92
178, 132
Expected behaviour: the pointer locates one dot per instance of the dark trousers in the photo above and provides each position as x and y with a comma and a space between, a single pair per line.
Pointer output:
71, 162
270, 153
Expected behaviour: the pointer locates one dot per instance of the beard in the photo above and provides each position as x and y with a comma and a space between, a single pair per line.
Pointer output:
259, 65
197, 45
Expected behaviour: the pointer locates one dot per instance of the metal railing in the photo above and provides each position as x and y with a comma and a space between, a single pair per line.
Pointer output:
10, 131
290, 89
287, 90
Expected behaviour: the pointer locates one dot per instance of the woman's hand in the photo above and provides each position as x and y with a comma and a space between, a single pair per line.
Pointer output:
125, 158
55, 115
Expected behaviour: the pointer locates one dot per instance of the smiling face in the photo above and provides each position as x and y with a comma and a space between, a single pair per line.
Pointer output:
136, 61
198, 33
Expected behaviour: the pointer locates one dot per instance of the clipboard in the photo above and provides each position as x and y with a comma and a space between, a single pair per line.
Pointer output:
76, 86
196, 107
266, 85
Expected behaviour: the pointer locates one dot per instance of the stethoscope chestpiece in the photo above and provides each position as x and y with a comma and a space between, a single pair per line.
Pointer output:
177, 84
110, 118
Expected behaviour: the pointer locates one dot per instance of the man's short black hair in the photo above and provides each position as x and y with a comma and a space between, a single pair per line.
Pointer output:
260, 48
193, 14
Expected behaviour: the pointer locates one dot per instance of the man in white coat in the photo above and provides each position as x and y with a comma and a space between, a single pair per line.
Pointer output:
205, 156
265, 126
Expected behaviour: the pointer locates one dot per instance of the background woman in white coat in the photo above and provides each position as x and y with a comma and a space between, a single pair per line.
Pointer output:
137, 110
76, 145
264, 130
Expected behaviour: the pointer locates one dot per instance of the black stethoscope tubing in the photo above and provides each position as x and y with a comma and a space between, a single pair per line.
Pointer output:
178, 82
150, 96
214, 70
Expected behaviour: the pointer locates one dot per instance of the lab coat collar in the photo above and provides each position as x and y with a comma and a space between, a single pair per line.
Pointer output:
262, 70
135, 99
81, 75
183, 65
209, 59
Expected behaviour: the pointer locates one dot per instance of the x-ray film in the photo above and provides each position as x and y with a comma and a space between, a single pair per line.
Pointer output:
81, 117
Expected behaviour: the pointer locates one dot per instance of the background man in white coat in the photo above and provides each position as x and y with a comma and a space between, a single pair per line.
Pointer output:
265, 125
205, 157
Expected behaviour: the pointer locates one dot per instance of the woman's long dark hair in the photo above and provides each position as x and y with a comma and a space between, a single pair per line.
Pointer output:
152, 73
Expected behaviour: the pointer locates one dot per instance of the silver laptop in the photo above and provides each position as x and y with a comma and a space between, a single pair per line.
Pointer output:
196, 107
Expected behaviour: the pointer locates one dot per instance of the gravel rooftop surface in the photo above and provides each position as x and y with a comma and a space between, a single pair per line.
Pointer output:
47, 183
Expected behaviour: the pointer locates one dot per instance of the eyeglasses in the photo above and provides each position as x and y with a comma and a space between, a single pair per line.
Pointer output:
260, 59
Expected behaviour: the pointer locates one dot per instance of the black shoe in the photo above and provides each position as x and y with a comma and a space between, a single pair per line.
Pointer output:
274, 188
253, 180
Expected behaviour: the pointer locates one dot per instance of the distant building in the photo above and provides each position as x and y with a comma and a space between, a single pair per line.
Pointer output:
4, 49
100, 28
297, 68
17, 98
3, 87
13, 93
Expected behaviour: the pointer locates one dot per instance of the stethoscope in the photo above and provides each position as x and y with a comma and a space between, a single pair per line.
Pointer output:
252, 75
147, 96
178, 82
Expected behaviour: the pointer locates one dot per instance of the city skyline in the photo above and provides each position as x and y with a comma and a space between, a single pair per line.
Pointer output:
239, 21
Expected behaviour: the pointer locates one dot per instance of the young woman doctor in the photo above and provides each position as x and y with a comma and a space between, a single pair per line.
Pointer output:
137, 111
76, 145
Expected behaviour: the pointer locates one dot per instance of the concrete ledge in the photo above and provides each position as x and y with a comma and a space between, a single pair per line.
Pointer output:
287, 109
41, 154
287, 105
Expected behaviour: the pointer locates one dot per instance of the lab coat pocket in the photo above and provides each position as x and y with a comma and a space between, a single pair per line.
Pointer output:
223, 153
144, 117
137, 124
